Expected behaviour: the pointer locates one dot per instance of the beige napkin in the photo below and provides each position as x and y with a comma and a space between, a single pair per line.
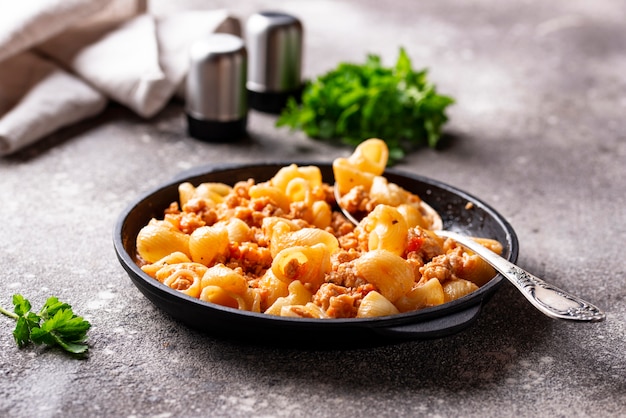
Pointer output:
37, 98
140, 63
26, 23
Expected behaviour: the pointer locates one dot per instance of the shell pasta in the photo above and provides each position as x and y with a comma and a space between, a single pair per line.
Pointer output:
281, 247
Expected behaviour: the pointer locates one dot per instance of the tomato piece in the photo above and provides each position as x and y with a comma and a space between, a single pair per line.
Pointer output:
415, 243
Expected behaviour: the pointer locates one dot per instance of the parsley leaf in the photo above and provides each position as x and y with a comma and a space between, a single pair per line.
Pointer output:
22, 306
54, 325
354, 102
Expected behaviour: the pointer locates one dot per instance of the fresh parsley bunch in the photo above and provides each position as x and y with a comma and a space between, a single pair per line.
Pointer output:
354, 102
55, 324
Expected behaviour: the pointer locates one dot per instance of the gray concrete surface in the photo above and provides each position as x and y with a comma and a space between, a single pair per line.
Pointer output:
538, 132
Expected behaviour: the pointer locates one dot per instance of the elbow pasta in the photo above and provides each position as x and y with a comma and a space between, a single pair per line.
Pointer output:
280, 247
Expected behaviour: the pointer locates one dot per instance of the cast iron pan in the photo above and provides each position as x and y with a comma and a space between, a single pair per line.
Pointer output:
481, 220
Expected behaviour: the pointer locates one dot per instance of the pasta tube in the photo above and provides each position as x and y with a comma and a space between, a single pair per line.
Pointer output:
421, 296
375, 304
310, 310
457, 288
474, 269
303, 237
272, 288
348, 176
159, 239
285, 175
370, 156
306, 264
238, 230
391, 274
174, 258
298, 295
219, 296
387, 229
182, 277
207, 243
277, 196
226, 278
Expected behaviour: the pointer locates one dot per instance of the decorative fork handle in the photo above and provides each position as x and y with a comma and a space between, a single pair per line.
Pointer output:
549, 299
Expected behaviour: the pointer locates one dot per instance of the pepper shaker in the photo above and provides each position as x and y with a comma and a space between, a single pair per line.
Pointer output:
215, 93
274, 43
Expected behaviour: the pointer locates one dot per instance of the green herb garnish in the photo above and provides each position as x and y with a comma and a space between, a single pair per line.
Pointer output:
55, 324
355, 102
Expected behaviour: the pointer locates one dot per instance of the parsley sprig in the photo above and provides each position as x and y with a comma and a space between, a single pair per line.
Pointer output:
354, 102
54, 325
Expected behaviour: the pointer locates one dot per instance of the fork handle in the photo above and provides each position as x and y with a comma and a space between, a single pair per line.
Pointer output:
549, 299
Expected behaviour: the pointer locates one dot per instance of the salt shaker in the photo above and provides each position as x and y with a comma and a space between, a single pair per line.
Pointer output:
274, 43
215, 90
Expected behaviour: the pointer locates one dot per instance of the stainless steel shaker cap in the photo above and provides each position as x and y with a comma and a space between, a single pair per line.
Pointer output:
215, 93
274, 42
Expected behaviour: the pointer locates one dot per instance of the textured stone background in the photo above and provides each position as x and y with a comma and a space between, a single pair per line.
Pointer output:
538, 132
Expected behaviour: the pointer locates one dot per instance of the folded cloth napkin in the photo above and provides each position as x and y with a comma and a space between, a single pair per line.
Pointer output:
38, 98
140, 63
24, 24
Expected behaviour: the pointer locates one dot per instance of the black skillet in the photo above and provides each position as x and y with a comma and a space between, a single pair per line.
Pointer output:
439, 321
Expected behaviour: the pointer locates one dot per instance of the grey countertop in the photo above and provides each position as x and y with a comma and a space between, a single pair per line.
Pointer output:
538, 132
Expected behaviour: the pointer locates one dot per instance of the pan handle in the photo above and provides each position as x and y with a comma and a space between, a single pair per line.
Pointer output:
434, 328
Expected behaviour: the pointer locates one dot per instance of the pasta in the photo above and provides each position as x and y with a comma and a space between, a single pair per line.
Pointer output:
281, 247
387, 229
